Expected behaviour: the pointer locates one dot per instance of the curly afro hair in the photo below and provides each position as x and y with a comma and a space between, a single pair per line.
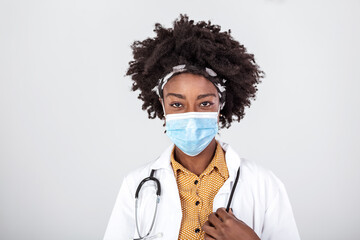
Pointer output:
202, 45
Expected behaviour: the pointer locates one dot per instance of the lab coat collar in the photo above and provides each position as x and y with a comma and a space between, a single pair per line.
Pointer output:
163, 161
233, 161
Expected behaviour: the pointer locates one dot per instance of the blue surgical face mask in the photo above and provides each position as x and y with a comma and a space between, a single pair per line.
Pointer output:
192, 132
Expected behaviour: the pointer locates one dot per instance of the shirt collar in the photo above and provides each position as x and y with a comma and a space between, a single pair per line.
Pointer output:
217, 162
233, 161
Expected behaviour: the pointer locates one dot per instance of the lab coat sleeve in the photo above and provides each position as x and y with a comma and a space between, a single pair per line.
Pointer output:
279, 222
121, 223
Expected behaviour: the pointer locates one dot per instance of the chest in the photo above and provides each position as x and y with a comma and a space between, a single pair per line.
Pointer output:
246, 205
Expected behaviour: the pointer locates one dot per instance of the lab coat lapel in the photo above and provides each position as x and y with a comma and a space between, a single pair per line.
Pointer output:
169, 219
232, 162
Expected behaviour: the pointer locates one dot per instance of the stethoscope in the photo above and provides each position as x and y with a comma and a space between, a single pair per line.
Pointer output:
158, 193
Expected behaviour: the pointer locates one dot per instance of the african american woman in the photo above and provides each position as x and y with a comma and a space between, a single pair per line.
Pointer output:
197, 79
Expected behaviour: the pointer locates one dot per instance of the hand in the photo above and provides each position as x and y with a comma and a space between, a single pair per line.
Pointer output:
224, 225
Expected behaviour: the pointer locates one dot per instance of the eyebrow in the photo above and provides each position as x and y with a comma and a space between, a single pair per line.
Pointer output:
183, 97
206, 95
176, 95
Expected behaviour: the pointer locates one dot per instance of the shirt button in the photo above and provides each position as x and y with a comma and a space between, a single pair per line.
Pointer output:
196, 182
197, 203
197, 230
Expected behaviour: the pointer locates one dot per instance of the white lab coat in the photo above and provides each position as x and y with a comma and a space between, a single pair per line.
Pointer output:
260, 200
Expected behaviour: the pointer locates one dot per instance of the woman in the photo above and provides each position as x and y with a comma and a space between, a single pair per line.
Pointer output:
195, 78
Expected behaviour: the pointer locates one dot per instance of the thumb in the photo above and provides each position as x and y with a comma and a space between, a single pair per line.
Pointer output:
231, 212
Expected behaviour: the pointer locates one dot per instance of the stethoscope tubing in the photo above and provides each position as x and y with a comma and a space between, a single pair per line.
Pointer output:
233, 190
151, 178
158, 193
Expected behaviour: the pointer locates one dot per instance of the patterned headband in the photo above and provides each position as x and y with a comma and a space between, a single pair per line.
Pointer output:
208, 73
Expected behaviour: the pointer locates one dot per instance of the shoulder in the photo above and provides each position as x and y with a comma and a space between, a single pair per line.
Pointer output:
255, 171
256, 174
136, 175
158, 164
249, 168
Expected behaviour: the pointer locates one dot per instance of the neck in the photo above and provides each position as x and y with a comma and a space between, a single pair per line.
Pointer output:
198, 163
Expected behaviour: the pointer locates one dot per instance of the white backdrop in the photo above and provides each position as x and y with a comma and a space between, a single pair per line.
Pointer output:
70, 128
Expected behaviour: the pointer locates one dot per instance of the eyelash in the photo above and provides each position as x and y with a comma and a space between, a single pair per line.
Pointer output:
208, 104
173, 105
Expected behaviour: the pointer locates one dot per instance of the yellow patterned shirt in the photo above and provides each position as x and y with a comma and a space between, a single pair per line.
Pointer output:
197, 193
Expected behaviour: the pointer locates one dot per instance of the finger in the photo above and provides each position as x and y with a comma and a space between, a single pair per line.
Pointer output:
208, 237
209, 230
207, 223
214, 220
222, 214
233, 215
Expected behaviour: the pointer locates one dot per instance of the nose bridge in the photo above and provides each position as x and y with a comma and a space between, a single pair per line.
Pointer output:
191, 107
191, 102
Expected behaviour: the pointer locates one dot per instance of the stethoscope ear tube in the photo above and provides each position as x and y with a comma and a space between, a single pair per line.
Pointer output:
151, 178
233, 190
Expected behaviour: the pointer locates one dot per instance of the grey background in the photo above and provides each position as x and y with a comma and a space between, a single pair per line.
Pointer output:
70, 128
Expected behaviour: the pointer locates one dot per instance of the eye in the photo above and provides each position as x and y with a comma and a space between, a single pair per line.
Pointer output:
206, 104
176, 105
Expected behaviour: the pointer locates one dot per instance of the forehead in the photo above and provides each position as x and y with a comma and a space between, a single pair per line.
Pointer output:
189, 83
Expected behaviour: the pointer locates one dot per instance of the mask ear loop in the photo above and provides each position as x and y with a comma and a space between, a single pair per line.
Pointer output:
163, 107
218, 122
